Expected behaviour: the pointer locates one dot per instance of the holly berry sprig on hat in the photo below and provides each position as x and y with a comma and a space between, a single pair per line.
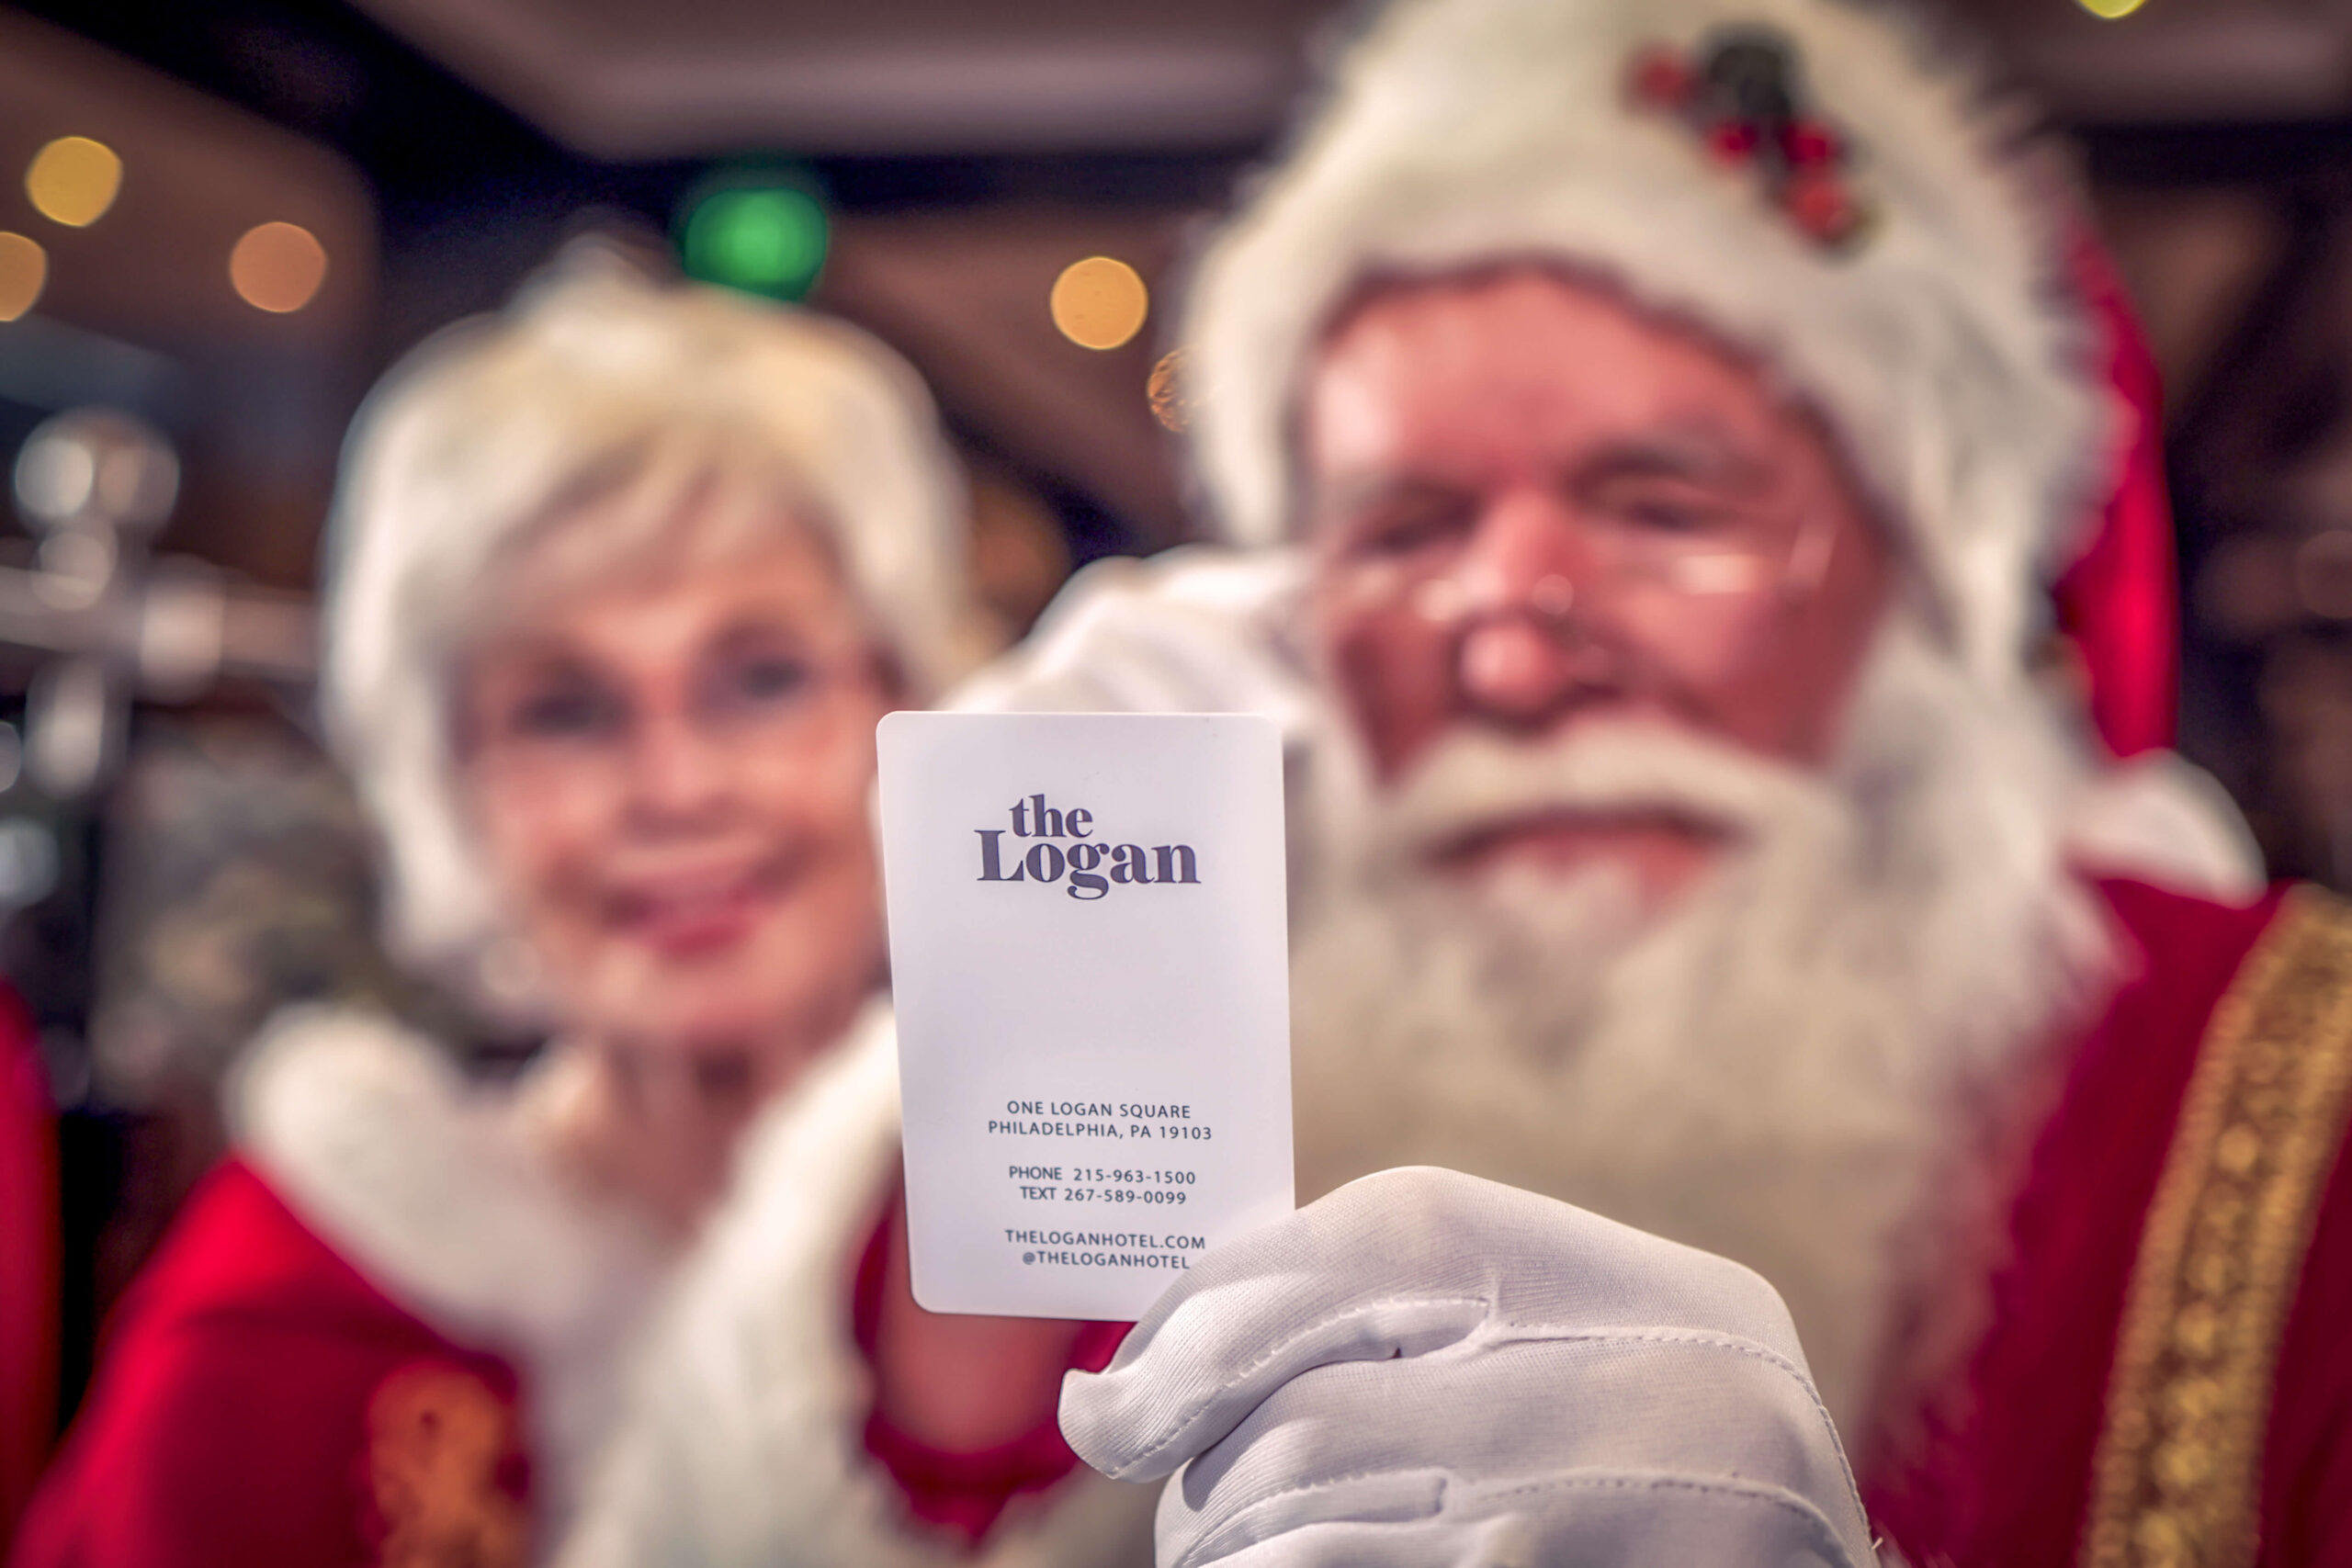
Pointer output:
1737, 92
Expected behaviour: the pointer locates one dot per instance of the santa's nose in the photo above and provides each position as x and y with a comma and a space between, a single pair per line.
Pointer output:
1526, 648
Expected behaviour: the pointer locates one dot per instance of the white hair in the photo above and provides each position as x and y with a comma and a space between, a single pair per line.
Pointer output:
596, 375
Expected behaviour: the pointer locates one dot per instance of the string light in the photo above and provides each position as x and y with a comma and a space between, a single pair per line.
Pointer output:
277, 267
1099, 303
73, 180
23, 270
2111, 10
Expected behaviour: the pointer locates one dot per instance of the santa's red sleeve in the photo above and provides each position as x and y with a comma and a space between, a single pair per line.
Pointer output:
259, 1401
2012, 1481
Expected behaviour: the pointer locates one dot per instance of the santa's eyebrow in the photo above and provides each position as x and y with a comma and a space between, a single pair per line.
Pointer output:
1699, 453
1695, 452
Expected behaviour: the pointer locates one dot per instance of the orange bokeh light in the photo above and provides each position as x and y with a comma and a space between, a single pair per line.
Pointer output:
73, 180
277, 267
1100, 302
23, 270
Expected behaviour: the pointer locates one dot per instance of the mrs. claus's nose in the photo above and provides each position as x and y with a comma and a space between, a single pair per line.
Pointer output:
676, 774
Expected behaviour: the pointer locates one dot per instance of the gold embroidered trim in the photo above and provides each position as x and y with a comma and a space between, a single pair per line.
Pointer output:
436, 1436
2176, 1480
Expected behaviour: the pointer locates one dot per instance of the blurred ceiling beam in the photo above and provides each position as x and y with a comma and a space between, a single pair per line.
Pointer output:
639, 79
634, 81
2183, 60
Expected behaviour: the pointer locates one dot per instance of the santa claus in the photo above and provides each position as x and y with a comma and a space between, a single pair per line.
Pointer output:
1700, 528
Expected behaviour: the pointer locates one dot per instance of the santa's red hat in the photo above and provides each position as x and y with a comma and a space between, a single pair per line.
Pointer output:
2118, 602
1865, 217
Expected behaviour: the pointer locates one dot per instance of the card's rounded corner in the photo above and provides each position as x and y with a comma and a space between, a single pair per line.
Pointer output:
915, 1289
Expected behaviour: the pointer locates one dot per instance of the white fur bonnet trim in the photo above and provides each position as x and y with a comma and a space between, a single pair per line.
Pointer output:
1944, 351
744, 1443
486, 424
427, 1188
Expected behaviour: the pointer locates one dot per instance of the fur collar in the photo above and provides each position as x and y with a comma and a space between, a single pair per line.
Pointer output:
430, 1187
743, 1445
2161, 820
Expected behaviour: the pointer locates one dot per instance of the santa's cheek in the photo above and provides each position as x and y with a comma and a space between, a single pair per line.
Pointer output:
1396, 683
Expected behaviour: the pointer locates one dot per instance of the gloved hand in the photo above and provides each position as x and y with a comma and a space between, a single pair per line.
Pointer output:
1427, 1368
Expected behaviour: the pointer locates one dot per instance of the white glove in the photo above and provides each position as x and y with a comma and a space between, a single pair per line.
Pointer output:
1196, 629
1427, 1368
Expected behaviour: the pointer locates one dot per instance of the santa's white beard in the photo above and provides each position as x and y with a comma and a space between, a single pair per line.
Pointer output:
1819, 1062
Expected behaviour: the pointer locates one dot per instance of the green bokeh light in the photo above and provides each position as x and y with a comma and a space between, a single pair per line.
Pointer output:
765, 240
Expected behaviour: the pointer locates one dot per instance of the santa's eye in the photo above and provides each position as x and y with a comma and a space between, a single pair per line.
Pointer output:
1669, 517
1408, 525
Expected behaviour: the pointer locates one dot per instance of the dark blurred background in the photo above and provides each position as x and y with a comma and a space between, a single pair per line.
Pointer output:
225, 216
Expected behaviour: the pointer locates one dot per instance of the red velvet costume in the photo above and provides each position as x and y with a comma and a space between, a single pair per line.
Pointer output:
27, 1263
261, 1403
2013, 1485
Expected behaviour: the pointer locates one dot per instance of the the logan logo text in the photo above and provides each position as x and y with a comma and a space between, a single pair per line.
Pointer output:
1064, 846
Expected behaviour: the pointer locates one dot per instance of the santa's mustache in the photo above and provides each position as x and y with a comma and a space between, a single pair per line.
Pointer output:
1476, 783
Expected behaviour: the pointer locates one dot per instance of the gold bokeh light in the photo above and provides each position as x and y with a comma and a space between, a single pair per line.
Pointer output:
277, 267
23, 270
2111, 10
1100, 302
73, 180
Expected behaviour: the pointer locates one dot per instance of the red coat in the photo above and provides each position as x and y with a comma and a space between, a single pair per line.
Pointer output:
27, 1263
261, 1402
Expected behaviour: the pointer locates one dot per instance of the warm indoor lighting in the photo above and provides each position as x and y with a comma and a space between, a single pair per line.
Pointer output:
24, 268
278, 266
73, 180
1099, 303
2111, 10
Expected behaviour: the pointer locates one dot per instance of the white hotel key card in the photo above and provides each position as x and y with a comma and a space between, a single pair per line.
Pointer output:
1089, 960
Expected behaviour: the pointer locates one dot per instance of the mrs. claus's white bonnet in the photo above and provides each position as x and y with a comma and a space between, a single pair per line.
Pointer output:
480, 430
1942, 345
